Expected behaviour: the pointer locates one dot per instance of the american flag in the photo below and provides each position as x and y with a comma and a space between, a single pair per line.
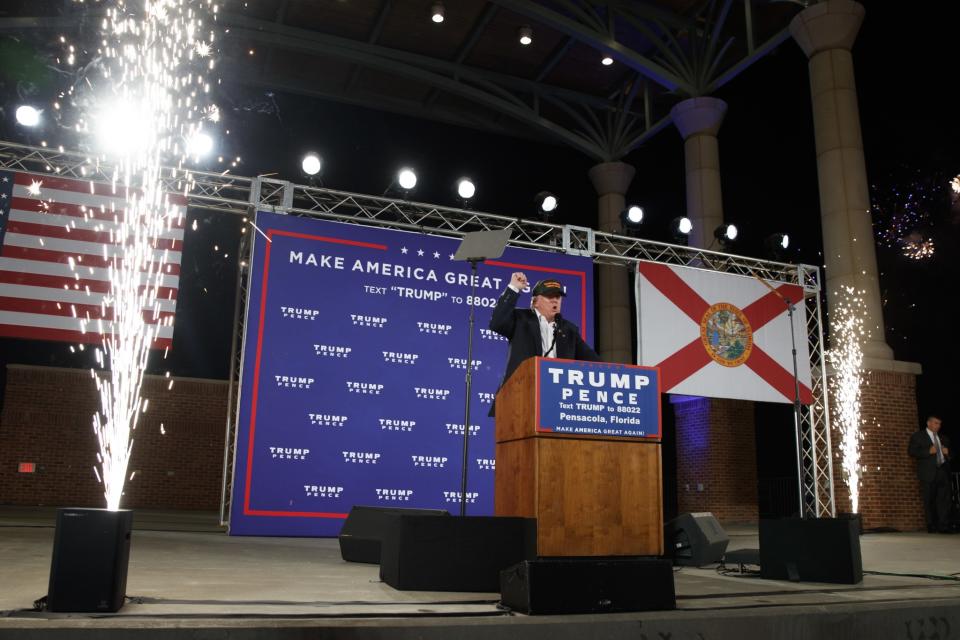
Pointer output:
55, 249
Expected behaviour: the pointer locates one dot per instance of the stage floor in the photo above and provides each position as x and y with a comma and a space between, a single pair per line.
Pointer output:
185, 573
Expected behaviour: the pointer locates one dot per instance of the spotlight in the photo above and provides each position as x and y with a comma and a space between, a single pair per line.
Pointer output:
631, 217
525, 34
121, 129
547, 203
465, 188
726, 234
311, 164
776, 245
28, 116
681, 227
199, 145
436, 12
407, 179
606, 61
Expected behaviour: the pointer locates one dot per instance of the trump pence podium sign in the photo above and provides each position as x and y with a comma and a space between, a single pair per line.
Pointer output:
597, 399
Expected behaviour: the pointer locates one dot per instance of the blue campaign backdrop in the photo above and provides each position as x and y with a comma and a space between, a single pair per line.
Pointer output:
353, 377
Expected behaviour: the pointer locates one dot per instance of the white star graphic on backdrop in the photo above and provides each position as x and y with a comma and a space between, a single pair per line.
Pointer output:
403, 250
3, 195
420, 252
6, 179
436, 254
451, 256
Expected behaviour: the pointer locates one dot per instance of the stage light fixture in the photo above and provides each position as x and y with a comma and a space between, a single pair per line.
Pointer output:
631, 217
120, 128
199, 145
775, 245
437, 12
681, 227
726, 234
465, 188
547, 203
28, 116
311, 164
407, 178
525, 34
606, 61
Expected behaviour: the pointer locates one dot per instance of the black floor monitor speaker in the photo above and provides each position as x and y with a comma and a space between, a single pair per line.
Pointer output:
588, 585
811, 550
363, 530
453, 554
694, 539
91, 550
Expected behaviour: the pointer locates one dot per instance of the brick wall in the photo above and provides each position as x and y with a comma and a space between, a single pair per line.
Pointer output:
889, 493
47, 418
716, 448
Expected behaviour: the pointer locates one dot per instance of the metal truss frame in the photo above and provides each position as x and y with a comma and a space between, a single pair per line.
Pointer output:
239, 195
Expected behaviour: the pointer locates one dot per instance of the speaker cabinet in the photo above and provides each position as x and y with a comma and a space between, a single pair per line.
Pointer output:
588, 585
453, 554
811, 550
694, 539
91, 550
363, 530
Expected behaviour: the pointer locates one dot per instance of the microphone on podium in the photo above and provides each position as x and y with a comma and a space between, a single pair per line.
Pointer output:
557, 331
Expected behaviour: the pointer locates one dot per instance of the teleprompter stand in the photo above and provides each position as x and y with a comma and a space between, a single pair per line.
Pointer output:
475, 248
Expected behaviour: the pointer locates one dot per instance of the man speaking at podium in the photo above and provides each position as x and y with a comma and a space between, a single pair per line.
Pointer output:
539, 330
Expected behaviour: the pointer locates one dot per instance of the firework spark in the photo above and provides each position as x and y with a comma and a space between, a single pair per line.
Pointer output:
845, 356
904, 210
916, 247
145, 96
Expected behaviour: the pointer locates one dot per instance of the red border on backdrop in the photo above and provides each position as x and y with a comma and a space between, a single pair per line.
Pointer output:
247, 511
541, 429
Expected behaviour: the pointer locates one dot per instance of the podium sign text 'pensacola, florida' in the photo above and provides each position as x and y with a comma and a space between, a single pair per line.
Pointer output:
598, 399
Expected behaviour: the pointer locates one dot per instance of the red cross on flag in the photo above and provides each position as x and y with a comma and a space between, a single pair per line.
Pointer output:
720, 335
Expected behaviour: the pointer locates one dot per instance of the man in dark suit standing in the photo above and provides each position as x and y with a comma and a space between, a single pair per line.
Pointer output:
539, 330
932, 452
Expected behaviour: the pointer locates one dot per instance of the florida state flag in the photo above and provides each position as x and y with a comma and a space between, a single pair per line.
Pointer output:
720, 335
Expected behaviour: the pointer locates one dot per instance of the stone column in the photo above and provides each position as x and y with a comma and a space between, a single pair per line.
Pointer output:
611, 180
716, 467
699, 120
826, 31
888, 493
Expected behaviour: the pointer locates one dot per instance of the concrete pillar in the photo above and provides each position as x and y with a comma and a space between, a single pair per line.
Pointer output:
826, 31
888, 493
699, 120
716, 467
889, 490
611, 180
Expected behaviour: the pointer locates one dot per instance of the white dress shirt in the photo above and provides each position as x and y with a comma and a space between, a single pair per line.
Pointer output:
546, 336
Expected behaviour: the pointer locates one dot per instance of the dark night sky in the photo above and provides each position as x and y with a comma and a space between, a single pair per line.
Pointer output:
905, 67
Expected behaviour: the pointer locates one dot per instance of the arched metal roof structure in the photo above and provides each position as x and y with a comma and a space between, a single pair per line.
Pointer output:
471, 70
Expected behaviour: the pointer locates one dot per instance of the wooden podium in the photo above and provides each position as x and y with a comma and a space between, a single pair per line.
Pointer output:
592, 495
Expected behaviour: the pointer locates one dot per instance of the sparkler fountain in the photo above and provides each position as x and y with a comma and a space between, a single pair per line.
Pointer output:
846, 357
150, 57
145, 95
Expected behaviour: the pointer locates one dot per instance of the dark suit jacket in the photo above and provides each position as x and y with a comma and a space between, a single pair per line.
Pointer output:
522, 329
919, 448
